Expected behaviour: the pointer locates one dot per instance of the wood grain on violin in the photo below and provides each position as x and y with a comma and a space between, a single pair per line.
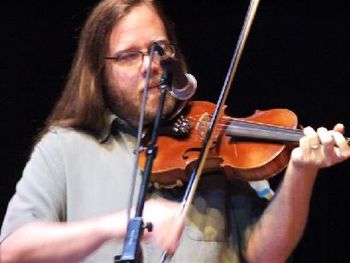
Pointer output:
252, 148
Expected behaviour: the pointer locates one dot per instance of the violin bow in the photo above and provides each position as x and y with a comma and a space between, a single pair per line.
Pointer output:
197, 171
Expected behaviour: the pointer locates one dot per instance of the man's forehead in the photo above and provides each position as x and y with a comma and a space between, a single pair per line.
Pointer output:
140, 27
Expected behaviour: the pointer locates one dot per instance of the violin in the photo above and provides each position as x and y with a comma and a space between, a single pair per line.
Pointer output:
252, 148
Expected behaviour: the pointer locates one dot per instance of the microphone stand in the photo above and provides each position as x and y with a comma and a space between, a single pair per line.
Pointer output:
136, 226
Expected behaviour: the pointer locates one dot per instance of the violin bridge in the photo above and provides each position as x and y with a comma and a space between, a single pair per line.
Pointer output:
203, 125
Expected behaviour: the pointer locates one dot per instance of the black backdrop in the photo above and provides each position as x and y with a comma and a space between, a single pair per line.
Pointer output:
296, 57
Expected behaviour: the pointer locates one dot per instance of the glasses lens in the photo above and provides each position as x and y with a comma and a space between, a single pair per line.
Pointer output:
169, 49
129, 59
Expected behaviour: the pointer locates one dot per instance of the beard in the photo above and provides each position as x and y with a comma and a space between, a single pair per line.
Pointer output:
128, 107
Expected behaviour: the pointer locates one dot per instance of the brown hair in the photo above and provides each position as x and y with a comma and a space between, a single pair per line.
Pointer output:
82, 104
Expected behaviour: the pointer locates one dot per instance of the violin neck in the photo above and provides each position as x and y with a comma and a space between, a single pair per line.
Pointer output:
251, 131
258, 132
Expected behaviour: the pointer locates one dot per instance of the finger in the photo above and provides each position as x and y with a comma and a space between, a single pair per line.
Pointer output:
304, 145
329, 151
312, 137
339, 127
326, 139
339, 139
343, 151
173, 235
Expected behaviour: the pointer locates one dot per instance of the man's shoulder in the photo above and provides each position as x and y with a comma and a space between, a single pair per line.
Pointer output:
62, 133
66, 137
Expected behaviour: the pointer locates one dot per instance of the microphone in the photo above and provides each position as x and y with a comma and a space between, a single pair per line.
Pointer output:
183, 85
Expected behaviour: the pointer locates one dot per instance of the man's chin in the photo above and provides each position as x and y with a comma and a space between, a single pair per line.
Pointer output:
151, 113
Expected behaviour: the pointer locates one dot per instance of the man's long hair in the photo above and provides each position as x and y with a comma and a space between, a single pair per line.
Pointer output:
82, 104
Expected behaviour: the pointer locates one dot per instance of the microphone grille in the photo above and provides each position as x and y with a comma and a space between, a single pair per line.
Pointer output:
186, 92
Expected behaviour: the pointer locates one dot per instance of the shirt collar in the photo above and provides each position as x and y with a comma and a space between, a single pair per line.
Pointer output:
115, 125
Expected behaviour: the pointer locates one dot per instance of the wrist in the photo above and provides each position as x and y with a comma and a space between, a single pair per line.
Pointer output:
305, 171
113, 226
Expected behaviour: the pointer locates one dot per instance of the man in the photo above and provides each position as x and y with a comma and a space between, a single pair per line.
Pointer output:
70, 203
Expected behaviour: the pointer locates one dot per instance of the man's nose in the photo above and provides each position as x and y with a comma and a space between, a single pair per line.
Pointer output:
155, 65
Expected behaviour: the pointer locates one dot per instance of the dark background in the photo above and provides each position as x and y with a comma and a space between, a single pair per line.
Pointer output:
296, 57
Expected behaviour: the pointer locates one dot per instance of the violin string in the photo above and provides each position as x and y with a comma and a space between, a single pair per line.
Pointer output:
243, 122
254, 129
224, 125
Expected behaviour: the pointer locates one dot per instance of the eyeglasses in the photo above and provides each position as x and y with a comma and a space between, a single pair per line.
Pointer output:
134, 58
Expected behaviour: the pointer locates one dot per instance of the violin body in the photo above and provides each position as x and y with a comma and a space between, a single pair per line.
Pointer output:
244, 148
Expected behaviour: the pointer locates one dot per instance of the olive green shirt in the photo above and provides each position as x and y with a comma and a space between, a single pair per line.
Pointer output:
73, 176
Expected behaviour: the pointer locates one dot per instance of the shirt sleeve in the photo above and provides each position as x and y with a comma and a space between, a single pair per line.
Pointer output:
40, 193
246, 207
